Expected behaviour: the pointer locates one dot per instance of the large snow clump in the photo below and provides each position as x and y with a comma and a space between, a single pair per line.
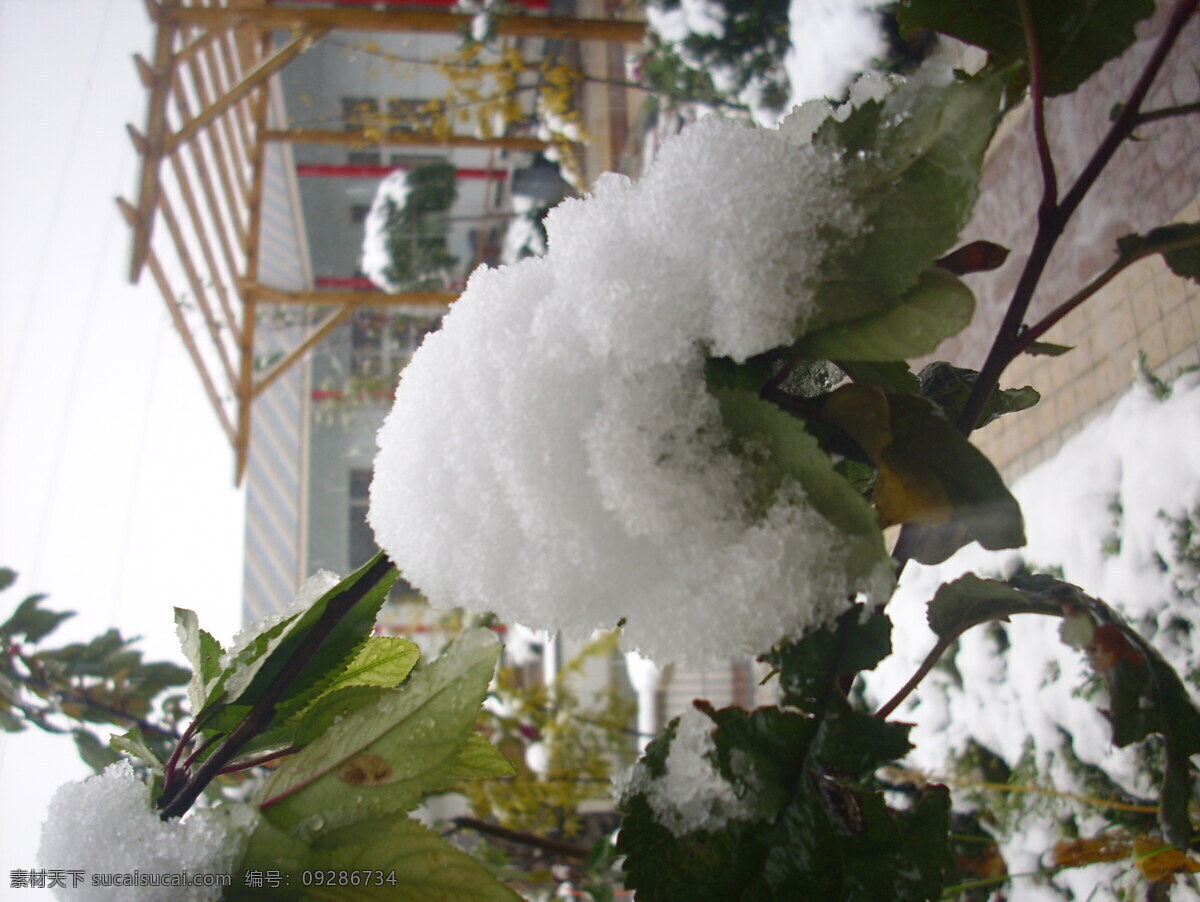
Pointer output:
554, 455
106, 827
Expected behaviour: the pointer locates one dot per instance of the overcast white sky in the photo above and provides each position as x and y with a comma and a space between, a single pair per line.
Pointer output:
116, 490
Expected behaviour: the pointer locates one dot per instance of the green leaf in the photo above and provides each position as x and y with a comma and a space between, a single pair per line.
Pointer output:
383, 661
912, 164
383, 757
949, 386
723, 373
925, 445
937, 306
969, 601
1076, 37
856, 744
894, 377
33, 623
1178, 243
8, 576
132, 743
808, 665
390, 860
481, 760
203, 652
332, 707
791, 453
1047, 349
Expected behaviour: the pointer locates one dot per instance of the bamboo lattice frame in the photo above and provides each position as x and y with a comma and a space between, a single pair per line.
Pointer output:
198, 216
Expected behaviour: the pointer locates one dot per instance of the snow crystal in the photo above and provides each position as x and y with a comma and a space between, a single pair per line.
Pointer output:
105, 825
691, 794
553, 454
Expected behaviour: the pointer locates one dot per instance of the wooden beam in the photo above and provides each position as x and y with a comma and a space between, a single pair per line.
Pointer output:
281, 366
270, 295
195, 45
160, 278
374, 138
410, 20
201, 231
155, 131
220, 142
234, 202
193, 279
249, 82
258, 164
210, 194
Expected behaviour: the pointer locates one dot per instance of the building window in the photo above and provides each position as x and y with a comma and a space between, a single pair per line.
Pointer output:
381, 344
359, 213
363, 158
408, 114
360, 113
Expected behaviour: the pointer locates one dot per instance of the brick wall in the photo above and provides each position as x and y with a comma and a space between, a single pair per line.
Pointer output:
1145, 309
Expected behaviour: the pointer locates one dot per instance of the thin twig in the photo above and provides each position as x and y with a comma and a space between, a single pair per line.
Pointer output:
1184, 109
1033, 333
927, 665
553, 846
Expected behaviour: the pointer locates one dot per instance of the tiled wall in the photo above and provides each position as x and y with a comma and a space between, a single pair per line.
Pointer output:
1151, 181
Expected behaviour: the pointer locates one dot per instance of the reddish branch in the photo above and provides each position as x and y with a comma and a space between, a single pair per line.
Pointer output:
1053, 216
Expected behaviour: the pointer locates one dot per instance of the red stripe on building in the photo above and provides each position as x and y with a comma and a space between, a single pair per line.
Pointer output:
528, 4
346, 283
330, 170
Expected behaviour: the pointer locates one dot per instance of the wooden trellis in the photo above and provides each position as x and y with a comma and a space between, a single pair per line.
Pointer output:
203, 150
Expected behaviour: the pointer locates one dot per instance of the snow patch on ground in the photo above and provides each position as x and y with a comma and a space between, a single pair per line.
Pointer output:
1099, 510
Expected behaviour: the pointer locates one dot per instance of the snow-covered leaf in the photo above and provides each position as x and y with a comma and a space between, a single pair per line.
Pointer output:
801, 829
203, 652
912, 163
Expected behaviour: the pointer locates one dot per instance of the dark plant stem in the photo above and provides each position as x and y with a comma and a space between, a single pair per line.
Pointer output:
1053, 216
177, 803
1037, 91
927, 665
256, 760
552, 846
1184, 109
